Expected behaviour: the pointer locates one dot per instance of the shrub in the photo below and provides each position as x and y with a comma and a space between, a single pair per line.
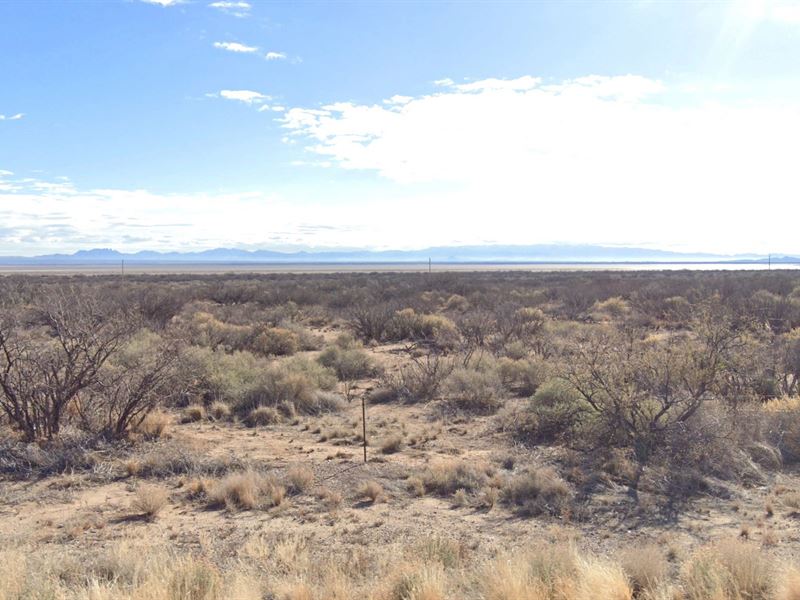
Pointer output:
300, 478
473, 391
614, 307
728, 569
407, 324
391, 444
555, 413
645, 566
523, 376
246, 491
536, 491
370, 489
149, 501
348, 363
154, 425
445, 477
262, 416
274, 341
422, 379
194, 413
219, 411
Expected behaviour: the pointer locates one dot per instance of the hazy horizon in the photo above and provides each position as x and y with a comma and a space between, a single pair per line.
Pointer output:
172, 125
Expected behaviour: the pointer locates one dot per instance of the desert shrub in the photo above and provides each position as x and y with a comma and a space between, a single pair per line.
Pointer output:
149, 501
728, 569
289, 386
473, 391
522, 376
407, 324
348, 363
204, 329
167, 458
541, 572
72, 450
53, 354
614, 307
300, 478
391, 444
422, 379
782, 418
602, 579
536, 491
646, 567
639, 390
555, 413
306, 339
193, 414
370, 489
219, 411
370, 321
135, 380
457, 303
273, 341
319, 375
154, 425
445, 477
247, 490
262, 416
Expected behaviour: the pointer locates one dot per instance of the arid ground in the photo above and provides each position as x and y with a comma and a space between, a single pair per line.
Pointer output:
528, 436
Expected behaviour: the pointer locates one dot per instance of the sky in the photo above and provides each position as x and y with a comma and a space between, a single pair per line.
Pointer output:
187, 125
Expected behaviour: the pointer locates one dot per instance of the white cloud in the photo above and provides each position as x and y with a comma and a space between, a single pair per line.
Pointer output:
591, 159
275, 56
41, 216
235, 47
15, 117
247, 96
236, 9
164, 2
446, 82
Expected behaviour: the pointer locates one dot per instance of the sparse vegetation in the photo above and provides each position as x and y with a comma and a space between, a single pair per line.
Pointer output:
505, 411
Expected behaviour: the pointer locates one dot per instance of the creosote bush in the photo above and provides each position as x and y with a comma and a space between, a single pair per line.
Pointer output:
473, 391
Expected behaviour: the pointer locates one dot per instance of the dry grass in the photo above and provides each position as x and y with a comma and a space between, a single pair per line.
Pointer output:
391, 444
262, 416
371, 490
537, 491
435, 569
646, 567
219, 411
788, 587
729, 569
194, 413
149, 501
446, 477
331, 499
154, 425
248, 490
300, 478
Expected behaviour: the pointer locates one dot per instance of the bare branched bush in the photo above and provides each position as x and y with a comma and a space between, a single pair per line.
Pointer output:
45, 368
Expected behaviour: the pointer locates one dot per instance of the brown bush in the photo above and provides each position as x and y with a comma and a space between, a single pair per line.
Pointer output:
262, 416
149, 501
246, 491
537, 491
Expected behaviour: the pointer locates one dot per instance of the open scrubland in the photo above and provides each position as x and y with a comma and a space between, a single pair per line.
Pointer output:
530, 436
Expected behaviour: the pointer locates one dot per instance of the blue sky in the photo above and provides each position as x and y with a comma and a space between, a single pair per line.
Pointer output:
187, 125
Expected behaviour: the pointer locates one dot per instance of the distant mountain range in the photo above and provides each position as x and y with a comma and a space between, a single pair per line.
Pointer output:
539, 253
